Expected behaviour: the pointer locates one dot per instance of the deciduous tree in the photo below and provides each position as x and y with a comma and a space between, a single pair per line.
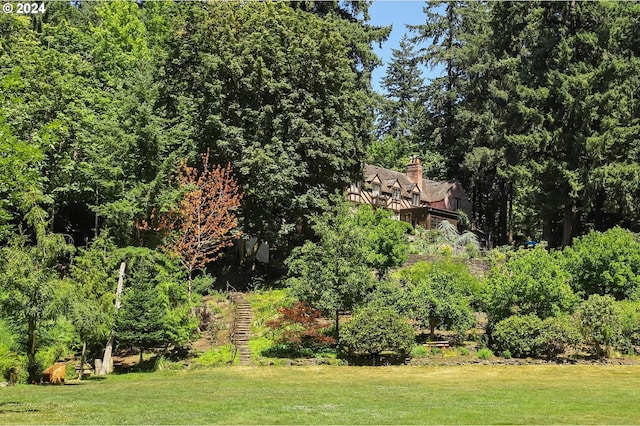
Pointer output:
205, 221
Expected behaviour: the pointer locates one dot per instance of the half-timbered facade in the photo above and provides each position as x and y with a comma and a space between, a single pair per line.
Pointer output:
412, 198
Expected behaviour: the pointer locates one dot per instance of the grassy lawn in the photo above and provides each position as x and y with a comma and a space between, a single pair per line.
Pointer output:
339, 395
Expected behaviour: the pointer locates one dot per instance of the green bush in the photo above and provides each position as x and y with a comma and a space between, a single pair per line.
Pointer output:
485, 353
518, 335
217, 356
440, 295
530, 282
630, 319
601, 323
419, 351
506, 354
461, 350
556, 335
605, 263
376, 330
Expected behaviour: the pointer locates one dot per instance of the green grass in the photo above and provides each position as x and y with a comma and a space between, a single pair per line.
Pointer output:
338, 395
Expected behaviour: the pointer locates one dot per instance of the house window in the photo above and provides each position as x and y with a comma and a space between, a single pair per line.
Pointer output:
435, 222
376, 190
355, 188
416, 199
457, 203
396, 194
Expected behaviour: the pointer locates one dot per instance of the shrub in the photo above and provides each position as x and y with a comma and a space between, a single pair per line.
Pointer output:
531, 282
518, 335
506, 354
485, 353
605, 263
217, 356
462, 351
600, 322
419, 351
298, 327
556, 334
376, 330
630, 321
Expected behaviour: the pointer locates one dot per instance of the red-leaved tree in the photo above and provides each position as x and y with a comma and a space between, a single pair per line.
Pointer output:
301, 326
205, 221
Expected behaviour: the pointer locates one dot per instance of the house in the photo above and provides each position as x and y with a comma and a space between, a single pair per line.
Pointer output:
412, 198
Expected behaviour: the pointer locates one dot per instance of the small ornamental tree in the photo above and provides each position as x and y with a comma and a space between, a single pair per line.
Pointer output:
332, 274
440, 295
205, 221
155, 310
299, 327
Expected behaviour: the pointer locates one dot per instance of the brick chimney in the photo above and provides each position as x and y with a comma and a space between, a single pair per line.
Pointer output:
414, 171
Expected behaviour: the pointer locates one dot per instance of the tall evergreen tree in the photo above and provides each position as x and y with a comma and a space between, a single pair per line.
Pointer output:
401, 109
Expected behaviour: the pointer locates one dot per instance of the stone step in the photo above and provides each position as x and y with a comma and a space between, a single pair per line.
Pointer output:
241, 329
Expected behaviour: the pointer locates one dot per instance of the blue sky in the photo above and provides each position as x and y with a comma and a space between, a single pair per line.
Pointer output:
397, 13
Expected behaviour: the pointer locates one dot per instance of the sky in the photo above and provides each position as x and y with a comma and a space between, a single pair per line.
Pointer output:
397, 13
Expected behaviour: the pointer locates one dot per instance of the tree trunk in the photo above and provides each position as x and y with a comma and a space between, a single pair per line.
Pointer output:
32, 366
141, 359
432, 328
568, 223
547, 231
107, 362
502, 214
510, 214
83, 358
337, 326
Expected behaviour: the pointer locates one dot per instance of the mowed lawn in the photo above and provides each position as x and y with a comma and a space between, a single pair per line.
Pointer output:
478, 394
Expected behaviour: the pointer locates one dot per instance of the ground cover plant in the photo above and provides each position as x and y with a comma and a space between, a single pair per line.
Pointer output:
338, 395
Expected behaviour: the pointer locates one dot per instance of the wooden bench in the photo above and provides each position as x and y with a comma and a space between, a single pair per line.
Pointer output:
86, 371
437, 344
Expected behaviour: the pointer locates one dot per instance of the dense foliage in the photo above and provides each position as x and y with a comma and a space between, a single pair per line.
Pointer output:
606, 263
440, 295
530, 282
376, 330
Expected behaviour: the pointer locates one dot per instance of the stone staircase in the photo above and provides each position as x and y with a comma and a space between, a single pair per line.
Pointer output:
241, 328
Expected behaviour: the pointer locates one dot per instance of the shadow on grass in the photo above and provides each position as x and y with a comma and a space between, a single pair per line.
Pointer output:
18, 409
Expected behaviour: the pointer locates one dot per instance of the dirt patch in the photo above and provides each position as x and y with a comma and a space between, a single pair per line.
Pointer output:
215, 316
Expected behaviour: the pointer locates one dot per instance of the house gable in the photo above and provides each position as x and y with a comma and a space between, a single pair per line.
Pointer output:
412, 198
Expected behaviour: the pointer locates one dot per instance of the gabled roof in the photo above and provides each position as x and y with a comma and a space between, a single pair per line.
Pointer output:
431, 191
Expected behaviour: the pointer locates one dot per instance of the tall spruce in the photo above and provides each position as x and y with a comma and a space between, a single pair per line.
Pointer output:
401, 109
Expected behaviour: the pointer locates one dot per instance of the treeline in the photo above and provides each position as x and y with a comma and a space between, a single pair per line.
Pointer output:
535, 111
101, 100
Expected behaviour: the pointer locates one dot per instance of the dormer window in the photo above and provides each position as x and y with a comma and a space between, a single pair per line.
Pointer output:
396, 193
416, 199
376, 190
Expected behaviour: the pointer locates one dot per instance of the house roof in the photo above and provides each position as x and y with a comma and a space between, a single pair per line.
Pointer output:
431, 191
